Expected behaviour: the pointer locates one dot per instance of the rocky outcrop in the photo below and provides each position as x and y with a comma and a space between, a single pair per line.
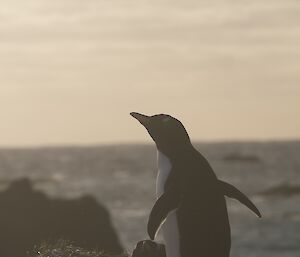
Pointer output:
29, 217
148, 248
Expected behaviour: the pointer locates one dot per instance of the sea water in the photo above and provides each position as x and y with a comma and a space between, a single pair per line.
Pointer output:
122, 177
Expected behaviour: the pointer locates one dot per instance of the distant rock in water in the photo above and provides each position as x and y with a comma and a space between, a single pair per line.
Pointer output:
28, 217
282, 190
235, 157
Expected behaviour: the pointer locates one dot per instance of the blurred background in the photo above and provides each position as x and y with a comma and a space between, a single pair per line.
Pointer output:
71, 71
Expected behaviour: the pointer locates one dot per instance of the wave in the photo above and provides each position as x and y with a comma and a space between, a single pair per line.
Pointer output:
284, 189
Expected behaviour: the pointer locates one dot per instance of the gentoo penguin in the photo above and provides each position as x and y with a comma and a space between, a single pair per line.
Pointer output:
190, 199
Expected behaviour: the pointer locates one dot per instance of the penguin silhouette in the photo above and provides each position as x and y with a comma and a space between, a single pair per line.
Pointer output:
190, 204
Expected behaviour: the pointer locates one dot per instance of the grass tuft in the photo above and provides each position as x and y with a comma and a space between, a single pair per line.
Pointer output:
63, 248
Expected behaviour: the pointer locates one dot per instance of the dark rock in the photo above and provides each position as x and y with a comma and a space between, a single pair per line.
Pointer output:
28, 217
241, 158
148, 248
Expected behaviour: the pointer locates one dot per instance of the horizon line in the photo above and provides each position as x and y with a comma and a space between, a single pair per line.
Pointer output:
144, 143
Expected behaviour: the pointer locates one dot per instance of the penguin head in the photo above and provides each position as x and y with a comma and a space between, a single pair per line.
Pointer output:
167, 132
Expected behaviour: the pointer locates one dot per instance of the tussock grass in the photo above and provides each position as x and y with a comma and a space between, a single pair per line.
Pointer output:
63, 248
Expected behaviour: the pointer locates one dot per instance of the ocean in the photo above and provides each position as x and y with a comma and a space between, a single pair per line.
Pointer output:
122, 177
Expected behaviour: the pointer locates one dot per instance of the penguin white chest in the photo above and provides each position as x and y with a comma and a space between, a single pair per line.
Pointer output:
170, 227
164, 169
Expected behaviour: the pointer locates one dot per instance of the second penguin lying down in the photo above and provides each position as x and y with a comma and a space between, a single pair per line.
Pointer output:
191, 204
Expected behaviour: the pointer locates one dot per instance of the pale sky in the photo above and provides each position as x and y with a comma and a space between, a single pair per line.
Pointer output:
71, 71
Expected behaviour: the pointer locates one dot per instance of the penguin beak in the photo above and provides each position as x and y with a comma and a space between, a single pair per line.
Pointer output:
143, 119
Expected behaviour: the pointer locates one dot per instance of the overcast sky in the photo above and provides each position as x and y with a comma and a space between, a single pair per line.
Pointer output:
71, 71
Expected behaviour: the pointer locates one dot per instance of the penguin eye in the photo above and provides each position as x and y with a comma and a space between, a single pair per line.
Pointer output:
166, 120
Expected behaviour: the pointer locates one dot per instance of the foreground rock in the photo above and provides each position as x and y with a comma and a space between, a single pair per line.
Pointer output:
28, 217
148, 248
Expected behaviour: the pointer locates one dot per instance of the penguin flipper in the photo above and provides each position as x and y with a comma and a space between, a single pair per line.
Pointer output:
233, 192
167, 202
